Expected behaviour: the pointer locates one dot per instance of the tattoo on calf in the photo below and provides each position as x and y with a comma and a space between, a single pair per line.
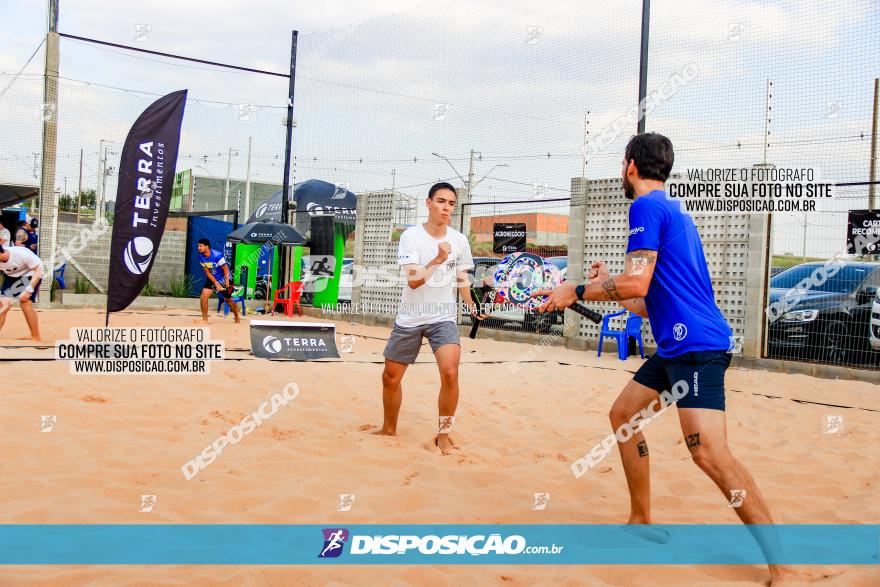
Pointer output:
611, 290
643, 448
693, 440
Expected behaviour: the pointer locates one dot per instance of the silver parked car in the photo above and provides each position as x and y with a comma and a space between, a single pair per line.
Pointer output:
875, 322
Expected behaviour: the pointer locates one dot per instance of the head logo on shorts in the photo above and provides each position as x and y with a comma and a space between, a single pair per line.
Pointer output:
271, 344
679, 331
138, 254
334, 540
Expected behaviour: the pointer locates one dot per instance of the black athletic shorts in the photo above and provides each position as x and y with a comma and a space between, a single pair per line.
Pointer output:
226, 293
702, 371
13, 287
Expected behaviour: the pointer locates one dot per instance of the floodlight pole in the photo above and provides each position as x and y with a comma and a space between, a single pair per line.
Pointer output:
643, 64
872, 189
48, 198
284, 269
290, 91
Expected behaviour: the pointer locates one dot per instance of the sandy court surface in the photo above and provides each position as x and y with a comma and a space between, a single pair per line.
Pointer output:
520, 425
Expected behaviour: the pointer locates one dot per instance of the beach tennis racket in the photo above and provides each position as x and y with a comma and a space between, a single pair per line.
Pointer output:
519, 275
483, 296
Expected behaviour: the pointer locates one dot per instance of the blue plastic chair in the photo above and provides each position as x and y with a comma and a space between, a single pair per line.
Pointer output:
59, 275
632, 329
236, 298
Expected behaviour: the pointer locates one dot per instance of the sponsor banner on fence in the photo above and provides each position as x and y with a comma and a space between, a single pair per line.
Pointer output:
299, 341
513, 544
863, 225
508, 237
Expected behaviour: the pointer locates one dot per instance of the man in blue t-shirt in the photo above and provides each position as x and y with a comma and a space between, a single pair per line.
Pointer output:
26, 236
217, 279
666, 280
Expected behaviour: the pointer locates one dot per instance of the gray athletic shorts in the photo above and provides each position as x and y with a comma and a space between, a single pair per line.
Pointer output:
405, 341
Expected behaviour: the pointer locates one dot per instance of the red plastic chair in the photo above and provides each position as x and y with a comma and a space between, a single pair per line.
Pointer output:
294, 290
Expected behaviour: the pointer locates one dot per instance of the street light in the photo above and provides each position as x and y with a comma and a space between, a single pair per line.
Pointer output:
490, 171
463, 180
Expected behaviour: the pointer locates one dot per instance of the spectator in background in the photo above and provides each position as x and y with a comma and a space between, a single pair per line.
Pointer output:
5, 237
21, 234
27, 235
30, 229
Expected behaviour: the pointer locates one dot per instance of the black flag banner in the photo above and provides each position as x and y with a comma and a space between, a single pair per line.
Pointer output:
146, 177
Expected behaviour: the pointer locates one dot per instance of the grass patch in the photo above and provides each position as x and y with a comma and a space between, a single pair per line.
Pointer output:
786, 261
181, 287
82, 286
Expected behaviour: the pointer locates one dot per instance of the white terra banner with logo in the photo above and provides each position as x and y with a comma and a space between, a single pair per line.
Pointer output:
299, 341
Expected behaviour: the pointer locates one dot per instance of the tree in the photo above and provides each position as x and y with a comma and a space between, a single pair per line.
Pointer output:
88, 199
66, 203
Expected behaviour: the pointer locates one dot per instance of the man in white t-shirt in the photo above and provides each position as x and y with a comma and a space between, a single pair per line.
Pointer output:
435, 259
23, 273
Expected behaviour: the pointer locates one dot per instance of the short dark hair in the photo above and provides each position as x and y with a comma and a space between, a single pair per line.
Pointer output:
206, 242
440, 186
652, 154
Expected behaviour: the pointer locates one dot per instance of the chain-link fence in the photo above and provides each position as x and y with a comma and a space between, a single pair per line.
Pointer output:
822, 296
515, 104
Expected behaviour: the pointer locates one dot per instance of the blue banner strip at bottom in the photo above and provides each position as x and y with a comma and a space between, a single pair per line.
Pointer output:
568, 544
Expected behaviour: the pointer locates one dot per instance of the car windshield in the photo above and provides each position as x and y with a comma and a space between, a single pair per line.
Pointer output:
846, 280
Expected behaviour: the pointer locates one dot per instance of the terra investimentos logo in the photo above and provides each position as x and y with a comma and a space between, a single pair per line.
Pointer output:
274, 344
271, 344
138, 254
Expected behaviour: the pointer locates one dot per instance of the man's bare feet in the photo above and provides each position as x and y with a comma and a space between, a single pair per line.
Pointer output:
384, 432
445, 443
202, 321
647, 532
238, 320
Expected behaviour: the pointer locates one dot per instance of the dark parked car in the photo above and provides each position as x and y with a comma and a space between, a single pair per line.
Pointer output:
827, 321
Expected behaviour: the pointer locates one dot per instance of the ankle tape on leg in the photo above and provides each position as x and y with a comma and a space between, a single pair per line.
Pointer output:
446, 423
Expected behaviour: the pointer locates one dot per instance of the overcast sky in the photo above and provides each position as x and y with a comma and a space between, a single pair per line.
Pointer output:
382, 85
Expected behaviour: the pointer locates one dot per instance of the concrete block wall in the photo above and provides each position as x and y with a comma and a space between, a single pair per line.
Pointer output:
94, 258
374, 250
735, 247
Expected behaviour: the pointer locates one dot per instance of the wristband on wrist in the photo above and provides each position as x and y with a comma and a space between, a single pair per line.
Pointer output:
579, 292
29, 289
